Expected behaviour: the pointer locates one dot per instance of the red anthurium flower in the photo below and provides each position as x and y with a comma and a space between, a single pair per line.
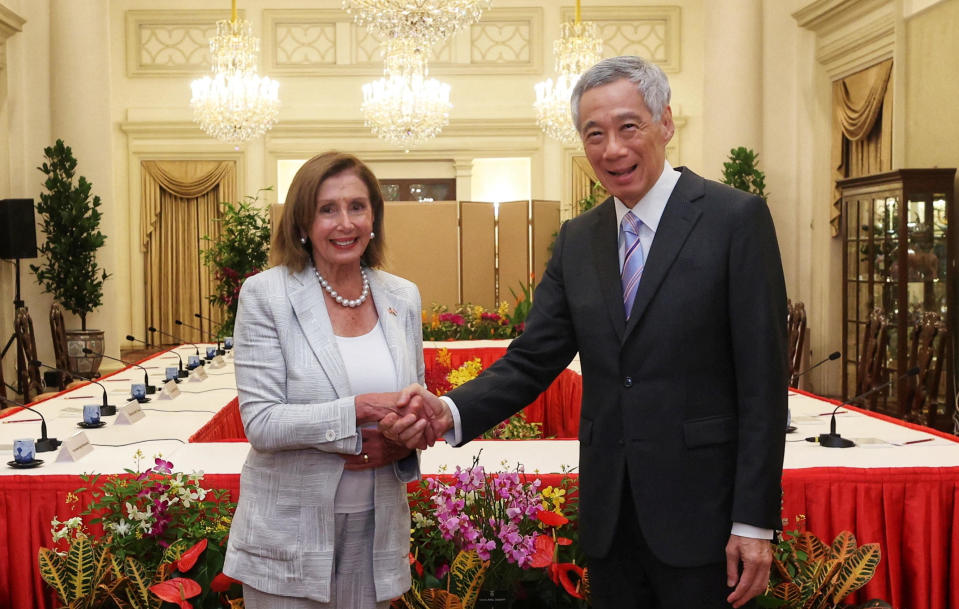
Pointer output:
177, 590
562, 572
188, 558
564, 541
551, 518
543, 551
222, 582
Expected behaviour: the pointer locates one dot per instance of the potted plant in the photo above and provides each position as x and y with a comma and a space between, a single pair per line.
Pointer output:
742, 172
240, 250
70, 219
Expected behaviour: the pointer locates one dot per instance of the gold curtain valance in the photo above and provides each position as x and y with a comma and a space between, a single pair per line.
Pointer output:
859, 100
182, 179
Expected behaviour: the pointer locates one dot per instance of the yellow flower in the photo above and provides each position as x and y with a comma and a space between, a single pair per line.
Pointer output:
466, 372
478, 311
435, 321
503, 309
443, 358
71, 498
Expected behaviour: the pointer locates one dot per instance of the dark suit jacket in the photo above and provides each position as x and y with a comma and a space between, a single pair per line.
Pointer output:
689, 397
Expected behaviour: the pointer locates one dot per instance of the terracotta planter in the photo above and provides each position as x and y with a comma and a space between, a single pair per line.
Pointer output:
81, 364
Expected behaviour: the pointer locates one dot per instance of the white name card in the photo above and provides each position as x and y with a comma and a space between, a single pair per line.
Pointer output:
199, 374
129, 414
168, 391
75, 447
218, 362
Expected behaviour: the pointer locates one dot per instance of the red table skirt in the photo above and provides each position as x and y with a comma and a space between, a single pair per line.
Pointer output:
557, 408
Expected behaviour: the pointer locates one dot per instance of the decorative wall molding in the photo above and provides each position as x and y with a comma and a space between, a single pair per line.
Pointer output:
170, 43
851, 35
326, 42
652, 32
10, 23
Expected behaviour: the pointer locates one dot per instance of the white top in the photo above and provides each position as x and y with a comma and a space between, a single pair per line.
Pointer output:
370, 369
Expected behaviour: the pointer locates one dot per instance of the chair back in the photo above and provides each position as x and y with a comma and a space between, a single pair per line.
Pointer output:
3, 387
927, 352
872, 358
796, 323
31, 383
58, 333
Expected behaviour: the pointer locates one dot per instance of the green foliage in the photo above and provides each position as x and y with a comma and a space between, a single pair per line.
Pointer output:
808, 574
741, 172
596, 193
83, 577
240, 250
70, 219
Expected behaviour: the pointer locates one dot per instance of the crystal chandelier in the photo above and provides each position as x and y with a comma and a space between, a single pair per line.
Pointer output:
427, 22
406, 107
235, 104
578, 49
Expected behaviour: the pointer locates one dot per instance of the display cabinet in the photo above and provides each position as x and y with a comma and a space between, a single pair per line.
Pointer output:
899, 256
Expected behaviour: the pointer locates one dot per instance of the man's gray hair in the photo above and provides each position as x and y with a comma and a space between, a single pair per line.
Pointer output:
648, 77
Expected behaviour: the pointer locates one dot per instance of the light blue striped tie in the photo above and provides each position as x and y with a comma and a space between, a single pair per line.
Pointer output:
634, 261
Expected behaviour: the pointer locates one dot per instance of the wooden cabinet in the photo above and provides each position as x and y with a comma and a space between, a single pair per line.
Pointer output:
899, 255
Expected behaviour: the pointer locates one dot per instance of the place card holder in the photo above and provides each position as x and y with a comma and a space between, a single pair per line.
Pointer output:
168, 391
218, 362
198, 374
75, 447
129, 414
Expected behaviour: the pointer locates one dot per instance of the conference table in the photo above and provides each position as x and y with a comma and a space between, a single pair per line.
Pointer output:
899, 486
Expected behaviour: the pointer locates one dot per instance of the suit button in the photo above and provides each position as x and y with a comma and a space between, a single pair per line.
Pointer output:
621, 442
330, 435
628, 382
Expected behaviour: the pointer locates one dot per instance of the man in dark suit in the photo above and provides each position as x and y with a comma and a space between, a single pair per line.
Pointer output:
672, 292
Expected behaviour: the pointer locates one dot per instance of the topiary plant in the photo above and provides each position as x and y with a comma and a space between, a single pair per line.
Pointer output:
741, 171
71, 223
240, 250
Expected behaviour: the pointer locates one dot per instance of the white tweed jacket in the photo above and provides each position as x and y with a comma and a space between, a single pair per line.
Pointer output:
298, 412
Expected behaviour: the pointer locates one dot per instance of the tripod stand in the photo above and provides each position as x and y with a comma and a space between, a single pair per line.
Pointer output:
21, 363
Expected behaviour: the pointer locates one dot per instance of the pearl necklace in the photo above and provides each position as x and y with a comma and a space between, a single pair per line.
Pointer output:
339, 299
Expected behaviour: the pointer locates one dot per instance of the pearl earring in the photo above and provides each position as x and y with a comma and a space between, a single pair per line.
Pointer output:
302, 240
372, 234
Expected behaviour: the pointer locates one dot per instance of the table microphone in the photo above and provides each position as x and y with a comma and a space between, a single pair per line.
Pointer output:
200, 330
106, 409
146, 378
43, 444
833, 439
132, 338
182, 373
832, 356
219, 351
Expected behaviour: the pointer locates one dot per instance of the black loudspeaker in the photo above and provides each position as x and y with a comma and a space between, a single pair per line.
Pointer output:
18, 229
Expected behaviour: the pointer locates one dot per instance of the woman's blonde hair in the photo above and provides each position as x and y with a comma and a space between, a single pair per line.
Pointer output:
300, 209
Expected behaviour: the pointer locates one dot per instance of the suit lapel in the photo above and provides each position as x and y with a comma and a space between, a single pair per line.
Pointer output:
606, 254
679, 218
392, 313
306, 298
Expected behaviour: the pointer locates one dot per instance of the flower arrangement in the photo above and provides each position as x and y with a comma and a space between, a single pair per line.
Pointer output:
163, 539
468, 322
442, 378
521, 533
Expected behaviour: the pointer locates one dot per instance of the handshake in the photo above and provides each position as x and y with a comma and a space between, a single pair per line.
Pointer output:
414, 417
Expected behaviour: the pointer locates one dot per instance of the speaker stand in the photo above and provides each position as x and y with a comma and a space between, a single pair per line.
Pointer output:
17, 305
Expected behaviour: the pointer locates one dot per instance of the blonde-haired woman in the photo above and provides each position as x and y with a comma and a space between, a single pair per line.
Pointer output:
323, 341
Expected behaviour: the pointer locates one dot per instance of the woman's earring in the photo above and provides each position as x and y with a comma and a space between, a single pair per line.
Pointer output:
372, 234
302, 240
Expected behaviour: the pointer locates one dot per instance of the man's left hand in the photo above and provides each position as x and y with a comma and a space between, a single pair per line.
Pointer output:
756, 557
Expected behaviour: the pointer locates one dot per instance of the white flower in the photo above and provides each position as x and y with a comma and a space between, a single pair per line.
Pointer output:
121, 528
